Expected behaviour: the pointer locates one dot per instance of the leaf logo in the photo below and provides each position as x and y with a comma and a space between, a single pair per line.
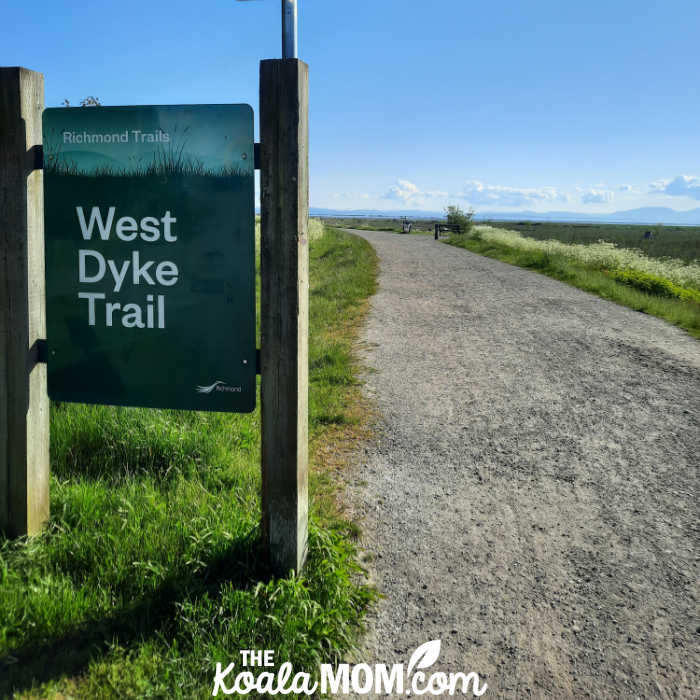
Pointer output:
208, 389
424, 656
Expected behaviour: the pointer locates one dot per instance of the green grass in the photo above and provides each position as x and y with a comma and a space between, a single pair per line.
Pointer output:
609, 284
150, 570
341, 289
392, 225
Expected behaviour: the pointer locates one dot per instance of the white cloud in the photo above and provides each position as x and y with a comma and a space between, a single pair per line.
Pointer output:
681, 186
658, 186
409, 193
596, 196
476, 192
628, 188
403, 191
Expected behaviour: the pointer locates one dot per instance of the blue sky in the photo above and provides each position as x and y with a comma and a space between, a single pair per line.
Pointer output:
500, 105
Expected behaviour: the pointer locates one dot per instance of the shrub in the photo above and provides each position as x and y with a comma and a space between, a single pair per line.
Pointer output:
457, 217
654, 285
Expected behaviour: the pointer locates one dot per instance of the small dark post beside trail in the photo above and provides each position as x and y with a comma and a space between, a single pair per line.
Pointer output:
439, 228
284, 180
24, 403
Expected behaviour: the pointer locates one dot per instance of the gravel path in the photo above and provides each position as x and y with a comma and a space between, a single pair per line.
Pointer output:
530, 497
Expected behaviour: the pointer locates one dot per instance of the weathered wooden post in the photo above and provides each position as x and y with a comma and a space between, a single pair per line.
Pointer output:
24, 404
284, 179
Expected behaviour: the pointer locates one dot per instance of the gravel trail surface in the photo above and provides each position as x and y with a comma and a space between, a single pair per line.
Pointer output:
531, 495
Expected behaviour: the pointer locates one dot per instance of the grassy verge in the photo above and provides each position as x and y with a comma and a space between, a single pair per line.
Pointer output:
149, 571
347, 272
609, 284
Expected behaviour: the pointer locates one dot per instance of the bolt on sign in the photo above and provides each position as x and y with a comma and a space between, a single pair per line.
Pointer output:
150, 239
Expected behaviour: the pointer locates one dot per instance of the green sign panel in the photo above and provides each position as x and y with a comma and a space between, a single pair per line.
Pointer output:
150, 238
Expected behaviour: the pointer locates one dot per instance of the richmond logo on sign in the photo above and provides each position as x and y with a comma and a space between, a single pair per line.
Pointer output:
218, 385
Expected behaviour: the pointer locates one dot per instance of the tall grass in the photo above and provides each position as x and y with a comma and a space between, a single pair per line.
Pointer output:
602, 255
150, 570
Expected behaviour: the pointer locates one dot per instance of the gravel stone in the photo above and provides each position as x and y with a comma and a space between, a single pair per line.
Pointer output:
530, 496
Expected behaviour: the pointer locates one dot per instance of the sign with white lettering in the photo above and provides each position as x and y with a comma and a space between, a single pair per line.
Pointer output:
150, 239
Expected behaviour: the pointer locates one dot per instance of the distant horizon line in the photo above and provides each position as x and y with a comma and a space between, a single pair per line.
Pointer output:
643, 216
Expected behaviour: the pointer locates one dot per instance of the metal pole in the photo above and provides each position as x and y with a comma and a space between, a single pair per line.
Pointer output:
289, 28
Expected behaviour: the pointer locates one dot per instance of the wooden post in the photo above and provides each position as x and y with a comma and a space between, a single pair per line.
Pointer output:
284, 180
24, 404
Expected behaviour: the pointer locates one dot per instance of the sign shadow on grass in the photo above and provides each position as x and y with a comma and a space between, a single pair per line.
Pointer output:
241, 567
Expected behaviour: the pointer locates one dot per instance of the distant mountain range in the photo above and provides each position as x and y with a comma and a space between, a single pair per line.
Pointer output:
644, 215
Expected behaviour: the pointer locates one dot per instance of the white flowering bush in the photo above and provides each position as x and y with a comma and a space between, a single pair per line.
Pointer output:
603, 255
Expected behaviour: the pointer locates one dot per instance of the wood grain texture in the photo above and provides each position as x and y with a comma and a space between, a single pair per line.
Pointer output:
284, 179
24, 404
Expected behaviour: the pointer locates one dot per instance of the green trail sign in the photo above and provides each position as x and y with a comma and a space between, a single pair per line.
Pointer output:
149, 235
